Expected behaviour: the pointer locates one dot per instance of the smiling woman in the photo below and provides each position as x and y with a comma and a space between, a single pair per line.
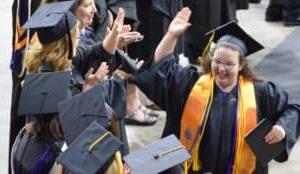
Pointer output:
212, 111
85, 11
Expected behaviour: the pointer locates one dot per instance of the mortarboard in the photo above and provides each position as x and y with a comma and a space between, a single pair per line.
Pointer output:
52, 21
232, 33
77, 112
158, 156
43, 91
90, 151
263, 151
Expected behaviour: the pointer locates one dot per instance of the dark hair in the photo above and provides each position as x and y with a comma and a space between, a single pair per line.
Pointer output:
246, 71
46, 126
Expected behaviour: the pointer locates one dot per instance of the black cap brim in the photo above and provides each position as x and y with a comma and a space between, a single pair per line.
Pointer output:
234, 31
43, 91
93, 148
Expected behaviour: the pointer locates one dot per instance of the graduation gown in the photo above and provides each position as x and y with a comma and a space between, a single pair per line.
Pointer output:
90, 53
168, 85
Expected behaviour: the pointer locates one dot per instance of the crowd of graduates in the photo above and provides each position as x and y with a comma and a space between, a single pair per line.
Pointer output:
77, 68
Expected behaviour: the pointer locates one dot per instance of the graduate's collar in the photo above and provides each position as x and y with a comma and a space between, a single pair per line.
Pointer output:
218, 91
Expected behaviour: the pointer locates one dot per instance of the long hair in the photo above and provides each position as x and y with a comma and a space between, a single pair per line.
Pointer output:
55, 54
48, 126
246, 71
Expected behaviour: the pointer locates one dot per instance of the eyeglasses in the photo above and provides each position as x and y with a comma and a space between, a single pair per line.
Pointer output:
227, 66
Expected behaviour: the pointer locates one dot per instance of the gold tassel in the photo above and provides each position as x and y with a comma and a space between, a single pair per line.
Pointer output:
185, 167
118, 158
195, 157
208, 45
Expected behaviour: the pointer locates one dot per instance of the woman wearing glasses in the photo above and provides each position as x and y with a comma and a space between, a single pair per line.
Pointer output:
212, 111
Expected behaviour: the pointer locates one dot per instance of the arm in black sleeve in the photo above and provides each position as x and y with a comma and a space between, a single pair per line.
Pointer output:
88, 56
285, 110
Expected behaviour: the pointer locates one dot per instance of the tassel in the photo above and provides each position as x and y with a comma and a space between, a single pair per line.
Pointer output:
195, 157
207, 47
119, 162
185, 167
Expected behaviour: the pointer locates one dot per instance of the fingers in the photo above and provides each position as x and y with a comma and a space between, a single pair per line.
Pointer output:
102, 71
126, 28
276, 135
184, 14
119, 21
87, 75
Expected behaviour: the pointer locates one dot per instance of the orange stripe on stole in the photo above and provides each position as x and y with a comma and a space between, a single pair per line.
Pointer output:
194, 110
245, 161
194, 113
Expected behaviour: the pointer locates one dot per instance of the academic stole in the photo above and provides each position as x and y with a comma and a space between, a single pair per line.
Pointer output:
195, 116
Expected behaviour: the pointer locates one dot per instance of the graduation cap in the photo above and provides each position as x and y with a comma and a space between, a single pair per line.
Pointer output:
158, 156
232, 33
43, 91
52, 21
90, 151
77, 112
263, 151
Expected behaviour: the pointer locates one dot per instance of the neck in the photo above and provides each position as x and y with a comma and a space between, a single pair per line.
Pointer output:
227, 88
81, 27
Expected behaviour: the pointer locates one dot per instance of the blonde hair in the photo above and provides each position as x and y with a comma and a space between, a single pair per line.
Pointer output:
55, 54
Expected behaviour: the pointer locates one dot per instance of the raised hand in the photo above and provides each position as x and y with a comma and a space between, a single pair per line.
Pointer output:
177, 27
180, 23
111, 40
92, 79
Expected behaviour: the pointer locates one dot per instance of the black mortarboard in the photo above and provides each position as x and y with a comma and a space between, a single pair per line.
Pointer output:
52, 21
263, 151
158, 156
232, 33
90, 151
78, 112
43, 91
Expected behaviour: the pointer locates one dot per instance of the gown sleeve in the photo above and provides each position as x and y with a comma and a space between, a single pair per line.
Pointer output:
275, 103
166, 83
91, 55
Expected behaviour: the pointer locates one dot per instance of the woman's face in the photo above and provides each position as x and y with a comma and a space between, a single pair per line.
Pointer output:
85, 12
225, 67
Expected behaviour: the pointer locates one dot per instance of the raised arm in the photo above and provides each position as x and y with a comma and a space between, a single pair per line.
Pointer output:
176, 28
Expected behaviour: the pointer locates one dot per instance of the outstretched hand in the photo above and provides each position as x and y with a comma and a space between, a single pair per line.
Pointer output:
180, 23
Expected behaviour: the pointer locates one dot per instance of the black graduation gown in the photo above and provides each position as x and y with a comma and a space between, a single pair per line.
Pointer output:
155, 17
34, 153
168, 85
287, 3
90, 54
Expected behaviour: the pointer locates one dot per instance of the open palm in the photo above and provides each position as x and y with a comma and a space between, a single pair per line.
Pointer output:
181, 22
